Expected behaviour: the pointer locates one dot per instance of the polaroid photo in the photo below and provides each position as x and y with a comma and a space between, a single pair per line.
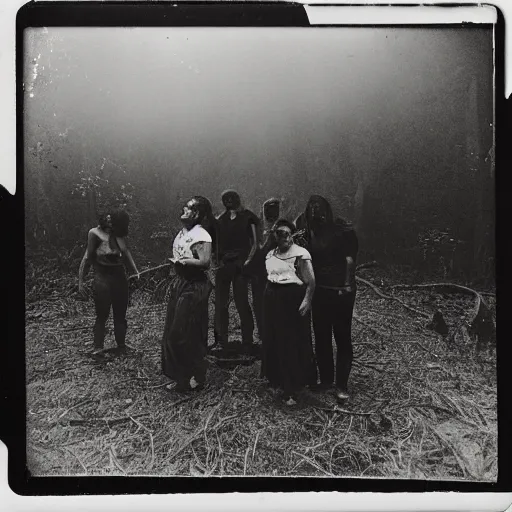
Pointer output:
260, 249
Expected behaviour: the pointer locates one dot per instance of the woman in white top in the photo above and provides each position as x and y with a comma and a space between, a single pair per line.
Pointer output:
288, 361
185, 337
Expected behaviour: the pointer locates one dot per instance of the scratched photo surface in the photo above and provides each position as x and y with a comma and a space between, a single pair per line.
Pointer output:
146, 365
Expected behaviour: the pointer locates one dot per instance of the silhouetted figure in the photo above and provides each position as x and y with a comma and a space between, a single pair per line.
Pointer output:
438, 324
266, 242
333, 247
185, 337
237, 244
107, 252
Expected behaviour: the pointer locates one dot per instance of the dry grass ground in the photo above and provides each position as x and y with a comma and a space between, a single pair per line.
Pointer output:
420, 407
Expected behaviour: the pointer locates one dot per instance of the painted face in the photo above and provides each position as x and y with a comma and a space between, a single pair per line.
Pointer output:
284, 237
189, 211
318, 211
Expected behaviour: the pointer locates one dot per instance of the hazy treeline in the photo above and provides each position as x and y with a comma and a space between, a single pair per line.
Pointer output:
412, 168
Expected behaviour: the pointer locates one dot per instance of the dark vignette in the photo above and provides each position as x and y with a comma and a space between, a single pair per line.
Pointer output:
12, 209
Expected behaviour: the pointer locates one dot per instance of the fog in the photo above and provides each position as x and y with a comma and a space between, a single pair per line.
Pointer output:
267, 111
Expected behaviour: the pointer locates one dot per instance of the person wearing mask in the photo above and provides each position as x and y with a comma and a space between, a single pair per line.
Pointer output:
236, 246
333, 246
288, 359
107, 252
185, 336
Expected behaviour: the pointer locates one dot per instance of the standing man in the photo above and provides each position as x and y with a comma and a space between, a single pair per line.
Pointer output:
236, 246
266, 242
333, 246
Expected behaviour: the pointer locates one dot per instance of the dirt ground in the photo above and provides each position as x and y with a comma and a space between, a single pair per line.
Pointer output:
421, 407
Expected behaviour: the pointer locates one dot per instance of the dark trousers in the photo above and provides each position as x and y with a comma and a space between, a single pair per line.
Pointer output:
258, 283
110, 290
226, 275
185, 338
333, 313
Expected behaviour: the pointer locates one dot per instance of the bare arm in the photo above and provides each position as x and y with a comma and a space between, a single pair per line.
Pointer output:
308, 276
88, 258
254, 244
204, 255
127, 254
351, 269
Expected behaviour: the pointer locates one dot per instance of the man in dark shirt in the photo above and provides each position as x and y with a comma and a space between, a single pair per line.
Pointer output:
236, 246
333, 246
266, 242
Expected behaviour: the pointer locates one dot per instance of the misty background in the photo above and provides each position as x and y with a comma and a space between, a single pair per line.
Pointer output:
393, 125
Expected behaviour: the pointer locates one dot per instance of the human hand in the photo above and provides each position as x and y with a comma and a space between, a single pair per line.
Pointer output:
82, 294
345, 289
304, 307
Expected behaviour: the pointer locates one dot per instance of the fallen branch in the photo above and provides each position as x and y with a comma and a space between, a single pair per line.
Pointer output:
77, 458
385, 296
343, 411
480, 322
107, 421
113, 458
73, 407
312, 463
150, 439
370, 264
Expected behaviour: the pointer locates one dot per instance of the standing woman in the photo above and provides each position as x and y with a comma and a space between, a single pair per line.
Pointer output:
333, 245
288, 361
107, 251
185, 337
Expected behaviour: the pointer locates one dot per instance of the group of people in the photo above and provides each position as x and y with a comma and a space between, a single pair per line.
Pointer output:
297, 271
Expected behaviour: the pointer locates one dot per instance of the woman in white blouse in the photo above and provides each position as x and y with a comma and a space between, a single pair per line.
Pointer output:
288, 361
185, 337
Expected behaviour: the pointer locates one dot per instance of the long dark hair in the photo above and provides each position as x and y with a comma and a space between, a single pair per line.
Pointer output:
103, 220
320, 200
331, 226
206, 218
120, 222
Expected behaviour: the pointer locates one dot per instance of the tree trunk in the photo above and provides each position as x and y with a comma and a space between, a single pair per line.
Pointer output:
482, 172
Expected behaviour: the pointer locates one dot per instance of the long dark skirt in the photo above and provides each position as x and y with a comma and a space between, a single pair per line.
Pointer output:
288, 360
185, 338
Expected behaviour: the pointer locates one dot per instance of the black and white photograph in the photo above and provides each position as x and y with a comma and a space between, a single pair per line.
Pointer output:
260, 252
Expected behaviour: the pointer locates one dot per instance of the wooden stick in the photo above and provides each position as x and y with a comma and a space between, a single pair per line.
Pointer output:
77, 458
344, 411
312, 463
367, 265
107, 421
74, 407
150, 439
114, 460
150, 270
